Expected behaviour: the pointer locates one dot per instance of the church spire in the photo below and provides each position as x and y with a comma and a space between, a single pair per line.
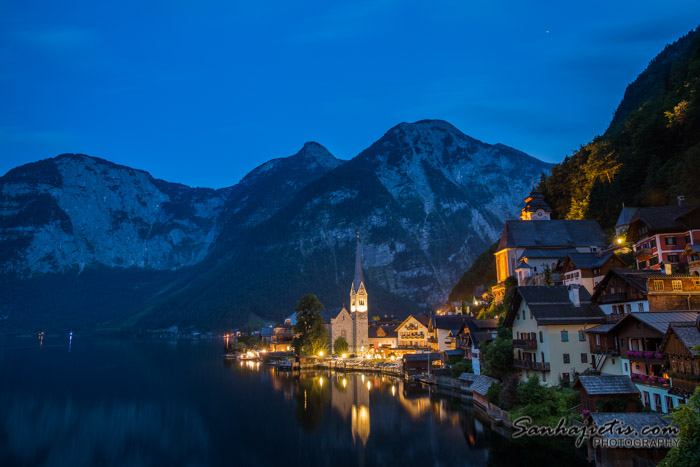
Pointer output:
359, 277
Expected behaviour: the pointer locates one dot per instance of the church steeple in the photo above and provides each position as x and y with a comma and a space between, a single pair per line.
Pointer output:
358, 293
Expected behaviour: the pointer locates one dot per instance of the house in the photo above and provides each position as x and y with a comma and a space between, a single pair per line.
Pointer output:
534, 247
480, 389
679, 345
622, 291
673, 292
600, 392
617, 448
443, 329
549, 331
692, 255
605, 352
412, 333
421, 363
588, 269
382, 339
639, 337
473, 335
661, 234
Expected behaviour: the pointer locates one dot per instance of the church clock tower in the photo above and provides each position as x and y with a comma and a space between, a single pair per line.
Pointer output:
359, 306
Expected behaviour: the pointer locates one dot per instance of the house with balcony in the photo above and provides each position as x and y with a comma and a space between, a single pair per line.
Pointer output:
443, 329
382, 338
472, 336
692, 255
412, 333
604, 349
534, 244
680, 345
639, 337
660, 234
549, 325
622, 291
588, 269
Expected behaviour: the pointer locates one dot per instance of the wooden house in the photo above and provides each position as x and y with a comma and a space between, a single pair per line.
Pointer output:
588, 269
601, 392
680, 344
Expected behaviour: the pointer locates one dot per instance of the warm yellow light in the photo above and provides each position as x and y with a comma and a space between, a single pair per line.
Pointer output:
619, 240
250, 354
369, 385
287, 347
344, 355
393, 358
363, 377
345, 383
320, 353
393, 390
320, 381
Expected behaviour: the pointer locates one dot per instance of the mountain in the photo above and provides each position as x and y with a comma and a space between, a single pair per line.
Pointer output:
426, 198
649, 154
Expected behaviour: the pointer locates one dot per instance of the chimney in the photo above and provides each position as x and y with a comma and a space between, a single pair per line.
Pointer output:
681, 201
574, 296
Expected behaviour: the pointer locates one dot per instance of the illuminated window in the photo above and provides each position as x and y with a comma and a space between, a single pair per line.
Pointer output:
677, 285
659, 285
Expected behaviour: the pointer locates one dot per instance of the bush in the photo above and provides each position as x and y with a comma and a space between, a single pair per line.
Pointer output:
509, 394
494, 392
463, 366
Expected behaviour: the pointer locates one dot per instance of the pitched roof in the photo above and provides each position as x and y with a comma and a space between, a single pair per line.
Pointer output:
635, 420
601, 328
626, 215
419, 357
687, 332
332, 313
588, 260
450, 322
359, 277
535, 201
551, 234
546, 253
390, 332
659, 320
634, 277
607, 384
482, 384
551, 305
662, 217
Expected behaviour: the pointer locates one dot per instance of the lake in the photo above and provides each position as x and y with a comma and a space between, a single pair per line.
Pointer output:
157, 402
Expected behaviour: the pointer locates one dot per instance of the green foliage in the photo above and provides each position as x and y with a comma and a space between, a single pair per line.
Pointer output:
687, 418
509, 394
462, 366
648, 155
498, 358
481, 272
311, 334
494, 393
340, 346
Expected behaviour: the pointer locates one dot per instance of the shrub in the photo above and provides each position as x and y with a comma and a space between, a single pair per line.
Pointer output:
494, 393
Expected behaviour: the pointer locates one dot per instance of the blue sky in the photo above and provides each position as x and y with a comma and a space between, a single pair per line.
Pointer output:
201, 92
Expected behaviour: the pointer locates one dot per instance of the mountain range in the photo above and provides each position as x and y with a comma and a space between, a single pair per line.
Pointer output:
85, 243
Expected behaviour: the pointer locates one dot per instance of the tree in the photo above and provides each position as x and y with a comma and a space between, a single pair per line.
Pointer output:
462, 366
498, 358
311, 334
687, 419
340, 346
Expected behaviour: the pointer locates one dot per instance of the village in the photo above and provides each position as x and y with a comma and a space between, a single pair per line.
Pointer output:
579, 326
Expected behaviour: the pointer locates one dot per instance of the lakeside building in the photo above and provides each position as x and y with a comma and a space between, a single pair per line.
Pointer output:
661, 234
383, 339
531, 247
443, 329
472, 336
413, 333
549, 326
352, 324
616, 390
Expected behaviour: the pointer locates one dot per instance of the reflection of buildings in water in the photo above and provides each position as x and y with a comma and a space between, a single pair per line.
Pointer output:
360, 423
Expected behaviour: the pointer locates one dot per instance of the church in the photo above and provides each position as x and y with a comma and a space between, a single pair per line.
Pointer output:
351, 324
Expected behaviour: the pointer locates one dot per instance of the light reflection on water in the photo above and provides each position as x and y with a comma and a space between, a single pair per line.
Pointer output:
146, 403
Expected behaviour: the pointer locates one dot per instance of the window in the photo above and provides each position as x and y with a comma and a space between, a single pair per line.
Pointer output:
643, 230
669, 403
640, 306
628, 308
541, 339
626, 369
657, 402
566, 358
687, 239
597, 339
642, 265
677, 285
581, 336
672, 258
584, 358
696, 282
670, 240
659, 285
653, 261
652, 244
565, 336
565, 376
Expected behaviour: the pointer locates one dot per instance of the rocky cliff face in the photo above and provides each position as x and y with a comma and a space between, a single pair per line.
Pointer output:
426, 198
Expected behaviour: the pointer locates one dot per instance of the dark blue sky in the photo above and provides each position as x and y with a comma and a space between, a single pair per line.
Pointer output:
202, 92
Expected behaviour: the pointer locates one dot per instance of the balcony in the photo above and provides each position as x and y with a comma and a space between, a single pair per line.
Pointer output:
642, 254
604, 350
654, 381
529, 365
613, 297
527, 344
650, 358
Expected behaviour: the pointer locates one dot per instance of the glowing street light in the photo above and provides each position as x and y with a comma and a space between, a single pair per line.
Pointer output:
619, 241
320, 353
344, 355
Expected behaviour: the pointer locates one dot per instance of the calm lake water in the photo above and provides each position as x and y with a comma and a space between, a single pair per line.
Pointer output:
172, 403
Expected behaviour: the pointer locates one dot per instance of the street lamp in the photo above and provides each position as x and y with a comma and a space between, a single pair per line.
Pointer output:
320, 353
